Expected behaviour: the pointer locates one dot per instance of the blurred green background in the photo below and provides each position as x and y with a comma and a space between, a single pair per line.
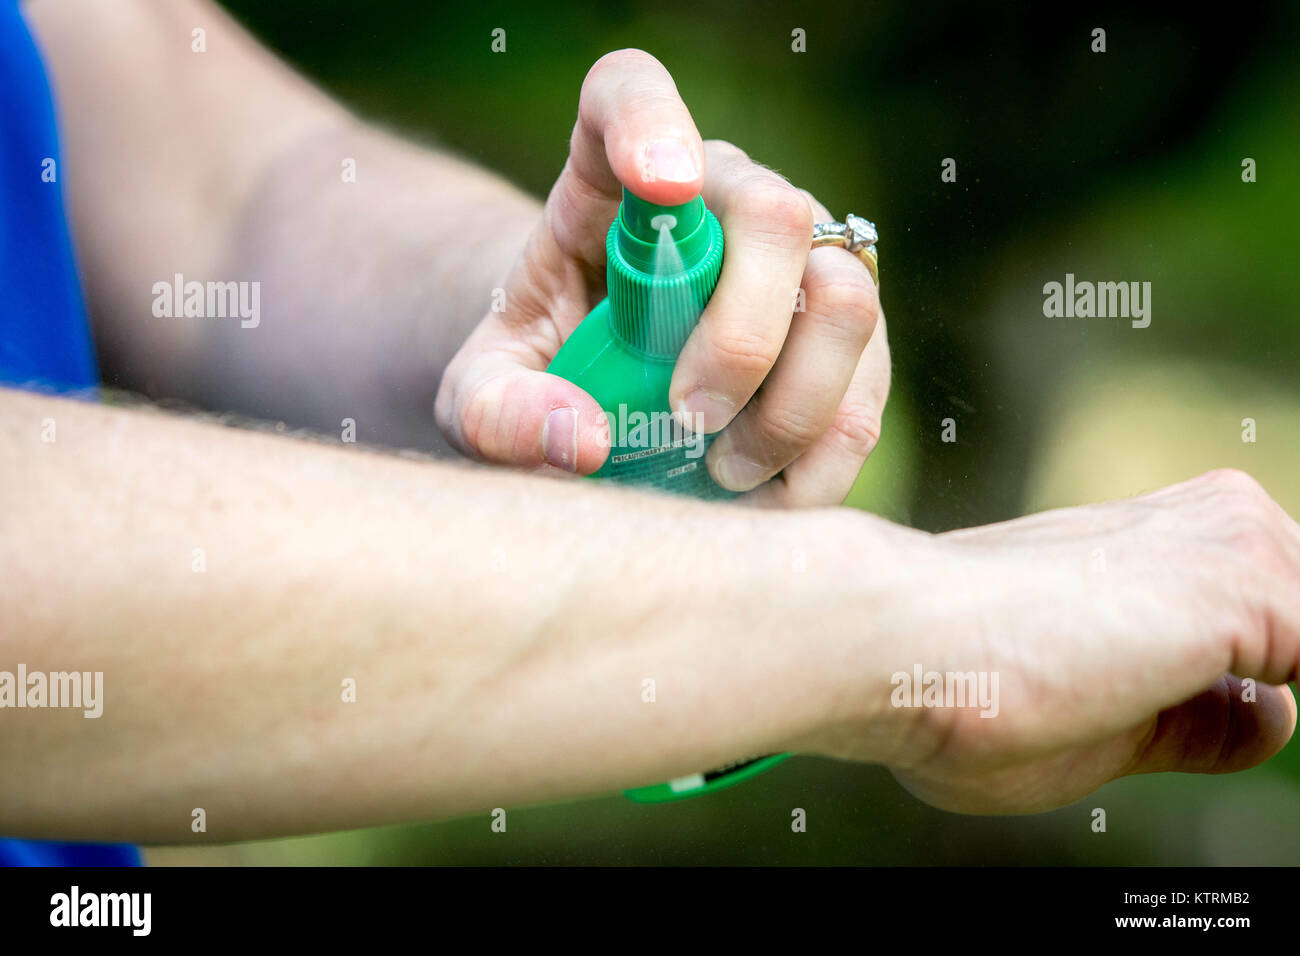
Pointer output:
1124, 166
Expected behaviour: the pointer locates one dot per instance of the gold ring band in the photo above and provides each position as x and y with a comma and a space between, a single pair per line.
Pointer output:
857, 235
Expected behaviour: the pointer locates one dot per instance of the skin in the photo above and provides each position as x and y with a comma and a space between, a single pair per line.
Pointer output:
486, 682
802, 392
1137, 669
460, 601
243, 180
467, 605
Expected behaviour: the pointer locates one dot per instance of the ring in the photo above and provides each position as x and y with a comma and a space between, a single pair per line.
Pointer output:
855, 234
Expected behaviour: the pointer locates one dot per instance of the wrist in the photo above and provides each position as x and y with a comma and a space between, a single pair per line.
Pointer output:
878, 615
854, 600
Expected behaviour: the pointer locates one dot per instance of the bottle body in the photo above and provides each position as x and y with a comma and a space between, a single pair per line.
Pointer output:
647, 445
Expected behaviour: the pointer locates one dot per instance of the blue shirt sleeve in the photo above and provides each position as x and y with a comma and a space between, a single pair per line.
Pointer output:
44, 334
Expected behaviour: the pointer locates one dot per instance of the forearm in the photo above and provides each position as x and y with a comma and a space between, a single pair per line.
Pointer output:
498, 629
226, 166
368, 288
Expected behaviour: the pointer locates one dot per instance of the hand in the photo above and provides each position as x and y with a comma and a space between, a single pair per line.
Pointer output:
801, 392
1120, 633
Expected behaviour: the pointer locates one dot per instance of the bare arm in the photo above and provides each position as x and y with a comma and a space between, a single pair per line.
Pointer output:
223, 166
227, 166
498, 629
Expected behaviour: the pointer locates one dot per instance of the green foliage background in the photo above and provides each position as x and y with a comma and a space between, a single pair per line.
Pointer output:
1118, 166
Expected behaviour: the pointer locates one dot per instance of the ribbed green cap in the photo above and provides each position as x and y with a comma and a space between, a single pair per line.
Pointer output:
656, 294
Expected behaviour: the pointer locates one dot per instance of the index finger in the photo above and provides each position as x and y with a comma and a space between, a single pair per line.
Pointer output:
632, 130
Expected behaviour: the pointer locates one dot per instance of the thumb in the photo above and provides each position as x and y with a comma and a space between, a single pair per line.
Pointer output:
495, 409
1220, 730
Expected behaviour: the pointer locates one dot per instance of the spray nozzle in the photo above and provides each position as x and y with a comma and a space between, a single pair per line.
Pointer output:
642, 219
642, 227
664, 262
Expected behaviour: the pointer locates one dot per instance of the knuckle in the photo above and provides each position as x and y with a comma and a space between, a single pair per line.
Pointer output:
744, 352
775, 205
848, 303
1249, 522
651, 100
1252, 511
481, 419
1241, 500
820, 212
722, 151
1258, 553
780, 430
1235, 480
858, 427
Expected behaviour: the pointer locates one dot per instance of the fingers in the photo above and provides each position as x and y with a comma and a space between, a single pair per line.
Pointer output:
632, 130
495, 408
799, 400
1264, 542
495, 404
798, 369
768, 225
825, 473
1219, 732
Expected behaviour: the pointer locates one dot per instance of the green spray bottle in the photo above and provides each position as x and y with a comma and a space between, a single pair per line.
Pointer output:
663, 265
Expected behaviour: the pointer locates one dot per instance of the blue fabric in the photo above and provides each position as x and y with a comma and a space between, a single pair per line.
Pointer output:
44, 334
46, 339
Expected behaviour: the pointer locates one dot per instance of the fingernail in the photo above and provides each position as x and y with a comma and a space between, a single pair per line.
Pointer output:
671, 160
560, 438
739, 473
705, 411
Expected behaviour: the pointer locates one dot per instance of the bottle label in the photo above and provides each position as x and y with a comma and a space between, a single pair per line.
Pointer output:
657, 452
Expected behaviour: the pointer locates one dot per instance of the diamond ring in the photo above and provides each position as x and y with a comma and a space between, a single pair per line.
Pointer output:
855, 234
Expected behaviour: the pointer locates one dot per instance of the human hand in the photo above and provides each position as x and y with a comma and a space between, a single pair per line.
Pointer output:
1121, 634
801, 393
